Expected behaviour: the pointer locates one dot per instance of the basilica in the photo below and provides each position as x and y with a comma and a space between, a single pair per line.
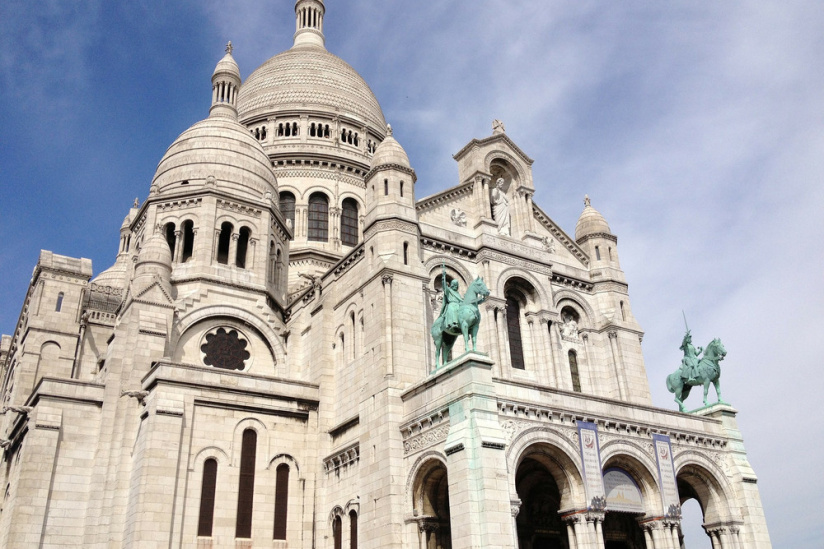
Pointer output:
292, 349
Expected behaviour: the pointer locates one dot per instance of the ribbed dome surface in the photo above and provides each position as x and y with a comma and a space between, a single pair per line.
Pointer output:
218, 147
308, 77
390, 152
590, 222
227, 65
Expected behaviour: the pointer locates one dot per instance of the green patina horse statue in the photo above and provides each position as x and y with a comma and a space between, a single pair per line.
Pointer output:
708, 371
469, 320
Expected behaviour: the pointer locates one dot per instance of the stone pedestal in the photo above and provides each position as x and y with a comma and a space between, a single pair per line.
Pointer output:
478, 489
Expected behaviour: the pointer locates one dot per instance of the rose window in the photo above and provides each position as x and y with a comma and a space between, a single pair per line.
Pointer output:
225, 349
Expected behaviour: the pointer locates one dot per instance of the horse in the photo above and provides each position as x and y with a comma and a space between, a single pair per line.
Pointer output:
708, 371
469, 320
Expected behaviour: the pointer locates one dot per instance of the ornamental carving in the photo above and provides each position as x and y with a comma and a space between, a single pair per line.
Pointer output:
225, 349
425, 440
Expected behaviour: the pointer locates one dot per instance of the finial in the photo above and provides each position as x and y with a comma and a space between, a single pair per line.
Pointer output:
498, 126
229, 47
389, 129
136, 203
586, 201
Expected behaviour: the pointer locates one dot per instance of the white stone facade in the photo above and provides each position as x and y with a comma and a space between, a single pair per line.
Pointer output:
256, 368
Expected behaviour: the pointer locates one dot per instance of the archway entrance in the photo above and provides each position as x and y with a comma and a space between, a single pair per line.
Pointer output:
622, 531
431, 506
538, 522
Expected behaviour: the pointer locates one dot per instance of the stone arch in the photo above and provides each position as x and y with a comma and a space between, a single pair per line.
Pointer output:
309, 191
212, 451
544, 299
267, 334
505, 158
634, 460
288, 459
352, 505
585, 311
698, 477
337, 511
237, 436
554, 449
433, 267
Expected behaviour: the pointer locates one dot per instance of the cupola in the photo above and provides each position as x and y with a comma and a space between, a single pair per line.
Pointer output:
309, 23
390, 183
225, 85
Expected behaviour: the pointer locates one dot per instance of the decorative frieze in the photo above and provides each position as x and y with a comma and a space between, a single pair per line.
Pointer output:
182, 204
238, 208
343, 458
447, 248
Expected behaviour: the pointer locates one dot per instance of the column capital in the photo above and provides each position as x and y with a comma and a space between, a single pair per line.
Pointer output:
613, 334
515, 507
386, 279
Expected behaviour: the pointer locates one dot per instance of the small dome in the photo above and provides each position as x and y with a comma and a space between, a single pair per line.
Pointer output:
114, 276
155, 250
227, 65
590, 222
221, 149
390, 152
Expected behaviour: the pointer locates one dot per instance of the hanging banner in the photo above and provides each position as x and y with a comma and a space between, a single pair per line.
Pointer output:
591, 461
666, 476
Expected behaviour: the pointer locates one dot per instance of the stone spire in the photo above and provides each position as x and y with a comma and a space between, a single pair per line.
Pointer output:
225, 84
309, 23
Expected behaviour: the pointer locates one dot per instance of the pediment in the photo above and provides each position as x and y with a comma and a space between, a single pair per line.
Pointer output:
498, 140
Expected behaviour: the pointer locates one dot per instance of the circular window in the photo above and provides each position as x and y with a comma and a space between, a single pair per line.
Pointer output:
224, 348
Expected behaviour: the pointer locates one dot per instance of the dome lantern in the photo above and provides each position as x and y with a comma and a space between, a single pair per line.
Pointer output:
225, 85
309, 23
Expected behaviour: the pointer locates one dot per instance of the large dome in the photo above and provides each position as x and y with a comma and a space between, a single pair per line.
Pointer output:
307, 77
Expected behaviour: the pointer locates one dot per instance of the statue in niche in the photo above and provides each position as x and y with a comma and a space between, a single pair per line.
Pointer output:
549, 244
500, 208
458, 217
569, 328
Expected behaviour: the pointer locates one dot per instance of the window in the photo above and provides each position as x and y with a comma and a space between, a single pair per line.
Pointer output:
242, 247
207, 498
59, 304
318, 217
623, 314
223, 242
336, 532
513, 326
401, 189
188, 241
349, 222
353, 530
246, 487
169, 233
573, 370
385, 187
287, 206
406, 253
597, 253
281, 500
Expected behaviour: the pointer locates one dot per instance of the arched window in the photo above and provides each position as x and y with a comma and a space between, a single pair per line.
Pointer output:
385, 187
318, 217
287, 206
623, 314
263, 133
406, 253
169, 233
59, 304
188, 240
513, 326
223, 242
352, 335
597, 253
349, 222
280, 130
573, 370
401, 189
337, 526
312, 130
207, 498
294, 128
246, 486
353, 529
281, 500
242, 247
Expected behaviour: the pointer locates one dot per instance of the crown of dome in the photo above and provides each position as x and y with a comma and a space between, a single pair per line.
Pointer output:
219, 150
227, 65
115, 276
590, 222
309, 78
390, 152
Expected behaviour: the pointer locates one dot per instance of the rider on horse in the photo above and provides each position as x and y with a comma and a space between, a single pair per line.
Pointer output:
452, 299
689, 364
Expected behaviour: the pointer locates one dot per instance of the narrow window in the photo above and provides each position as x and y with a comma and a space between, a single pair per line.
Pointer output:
573, 370
352, 320
356, 139
349, 222
257, 134
280, 130
294, 128
597, 253
353, 530
242, 247
169, 231
406, 253
287, 206
610, 252
312, 130
207, 498
246, 487
385, 187
336, 532
263, 133
188, 240
513, 325
59, 304
401, 189
318, 218
623, 315
223, 243
288, 130
281, 500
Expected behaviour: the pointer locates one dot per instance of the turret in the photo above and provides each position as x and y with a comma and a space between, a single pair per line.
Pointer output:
309, 23
592, 233
225, 85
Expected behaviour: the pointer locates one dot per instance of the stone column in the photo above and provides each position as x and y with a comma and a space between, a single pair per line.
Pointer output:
561, 369
503, 344
250, 254
594, 521
178, 246
586, 363
387, 305
232, 260
493, 345
657, 534
515, 508
549, 356
573, 531
616, 366
215, 246
648, 537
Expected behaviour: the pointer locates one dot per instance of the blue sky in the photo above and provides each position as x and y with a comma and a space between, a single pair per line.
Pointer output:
697, 128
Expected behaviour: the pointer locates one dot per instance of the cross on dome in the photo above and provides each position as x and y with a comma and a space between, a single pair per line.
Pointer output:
586, 200
229, 47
